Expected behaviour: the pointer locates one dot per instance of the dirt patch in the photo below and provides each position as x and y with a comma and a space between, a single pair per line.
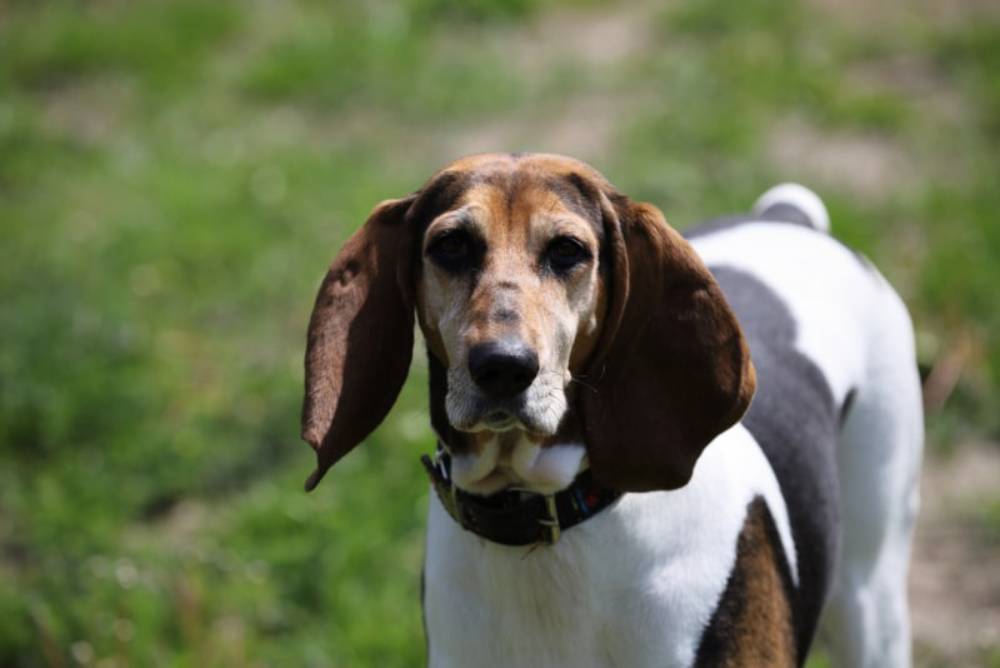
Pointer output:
595, 43
954, 577
592, 39
90, 111
584, 127
915, 78
871, 16
867, 165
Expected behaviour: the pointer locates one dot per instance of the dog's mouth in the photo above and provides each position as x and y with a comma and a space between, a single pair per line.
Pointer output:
537, 411
504, 419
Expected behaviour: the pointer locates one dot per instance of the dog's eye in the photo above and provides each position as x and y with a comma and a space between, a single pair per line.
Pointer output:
451, 250
452, 246
564, 253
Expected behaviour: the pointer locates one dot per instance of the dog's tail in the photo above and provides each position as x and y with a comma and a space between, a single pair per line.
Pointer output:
793, 203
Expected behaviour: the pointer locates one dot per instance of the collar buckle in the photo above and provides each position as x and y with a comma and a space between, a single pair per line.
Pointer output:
550, 524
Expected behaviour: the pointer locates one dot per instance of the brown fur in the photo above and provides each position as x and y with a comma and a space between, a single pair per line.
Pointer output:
752, 625
674, 370
361, 322
662, 363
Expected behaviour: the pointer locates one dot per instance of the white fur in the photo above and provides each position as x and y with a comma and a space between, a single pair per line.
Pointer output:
798, 196
467, 471
867, 619
522, 463
634, 586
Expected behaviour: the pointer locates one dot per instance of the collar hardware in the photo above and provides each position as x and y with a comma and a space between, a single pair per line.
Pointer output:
516, 516
551, 523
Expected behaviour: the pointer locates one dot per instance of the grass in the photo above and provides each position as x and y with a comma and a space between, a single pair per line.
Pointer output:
174, 177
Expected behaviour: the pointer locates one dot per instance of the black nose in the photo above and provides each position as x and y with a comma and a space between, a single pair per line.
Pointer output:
503, 369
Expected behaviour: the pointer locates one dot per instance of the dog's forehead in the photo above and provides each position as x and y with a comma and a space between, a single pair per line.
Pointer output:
539, 162
511, 187
519, 169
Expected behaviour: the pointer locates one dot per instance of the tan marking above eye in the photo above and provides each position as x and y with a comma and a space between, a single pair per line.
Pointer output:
549, 224
446, 222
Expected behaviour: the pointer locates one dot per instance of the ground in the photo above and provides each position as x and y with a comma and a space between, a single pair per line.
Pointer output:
954, 581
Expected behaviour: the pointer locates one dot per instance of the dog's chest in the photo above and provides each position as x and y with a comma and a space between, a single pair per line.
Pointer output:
487, 609
635, 585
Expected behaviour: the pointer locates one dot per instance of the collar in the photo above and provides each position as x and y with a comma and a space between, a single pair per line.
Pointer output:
517, 517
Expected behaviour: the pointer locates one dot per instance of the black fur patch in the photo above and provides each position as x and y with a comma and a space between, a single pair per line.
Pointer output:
796, 422
580, 196
786, 213
437, 373
437, 196
423, 613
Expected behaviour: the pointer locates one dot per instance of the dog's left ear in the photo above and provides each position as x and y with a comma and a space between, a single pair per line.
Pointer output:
360, 337
672, 369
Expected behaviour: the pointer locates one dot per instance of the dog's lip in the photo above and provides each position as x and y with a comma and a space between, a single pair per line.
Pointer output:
500, 420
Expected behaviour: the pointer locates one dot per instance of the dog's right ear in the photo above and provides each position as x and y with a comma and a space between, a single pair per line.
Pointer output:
673, 369
360, 339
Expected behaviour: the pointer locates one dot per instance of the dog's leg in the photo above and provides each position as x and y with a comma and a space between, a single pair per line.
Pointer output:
867, 619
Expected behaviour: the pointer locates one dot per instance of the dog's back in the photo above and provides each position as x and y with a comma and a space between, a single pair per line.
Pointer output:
837, 413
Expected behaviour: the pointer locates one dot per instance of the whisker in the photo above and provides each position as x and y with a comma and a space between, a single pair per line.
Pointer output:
579, 381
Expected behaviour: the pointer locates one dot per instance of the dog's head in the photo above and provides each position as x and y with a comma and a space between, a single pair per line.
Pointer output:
565, 325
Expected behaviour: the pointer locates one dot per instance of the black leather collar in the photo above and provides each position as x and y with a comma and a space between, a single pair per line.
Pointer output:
518, 517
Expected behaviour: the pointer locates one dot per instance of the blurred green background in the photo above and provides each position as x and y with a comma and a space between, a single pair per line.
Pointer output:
175, 176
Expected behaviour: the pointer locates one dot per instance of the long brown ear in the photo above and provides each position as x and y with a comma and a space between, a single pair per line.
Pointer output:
360, 338
672, 370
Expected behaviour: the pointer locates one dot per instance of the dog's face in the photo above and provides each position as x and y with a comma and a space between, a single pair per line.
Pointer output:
511, 299
528, 273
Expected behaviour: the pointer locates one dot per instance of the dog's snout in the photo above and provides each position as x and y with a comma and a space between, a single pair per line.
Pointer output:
503, 368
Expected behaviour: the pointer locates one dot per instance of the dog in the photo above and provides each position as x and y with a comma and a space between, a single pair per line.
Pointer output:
654, 450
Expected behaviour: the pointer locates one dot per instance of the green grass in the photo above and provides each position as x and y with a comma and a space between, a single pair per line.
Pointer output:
174, 177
